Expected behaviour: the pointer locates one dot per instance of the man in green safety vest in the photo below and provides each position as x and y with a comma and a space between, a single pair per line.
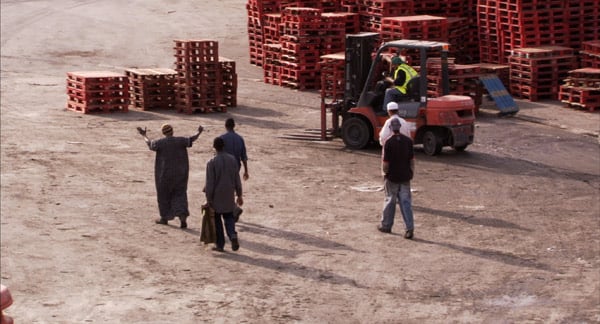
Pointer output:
402, 74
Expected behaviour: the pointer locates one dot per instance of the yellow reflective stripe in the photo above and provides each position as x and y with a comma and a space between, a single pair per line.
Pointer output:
409, 71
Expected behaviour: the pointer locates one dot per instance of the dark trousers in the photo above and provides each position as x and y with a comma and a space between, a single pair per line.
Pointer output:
229, 227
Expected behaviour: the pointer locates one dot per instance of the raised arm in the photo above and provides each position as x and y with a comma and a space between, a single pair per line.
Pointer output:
142, 132
195, 137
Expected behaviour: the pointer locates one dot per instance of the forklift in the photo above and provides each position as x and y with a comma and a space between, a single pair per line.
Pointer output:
447, 120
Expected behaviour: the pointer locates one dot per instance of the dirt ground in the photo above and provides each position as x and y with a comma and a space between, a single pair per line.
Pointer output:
506, 232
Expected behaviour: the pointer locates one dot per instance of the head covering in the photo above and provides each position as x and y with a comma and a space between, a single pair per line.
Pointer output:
396, 60
395, 124
392, 106
167, 129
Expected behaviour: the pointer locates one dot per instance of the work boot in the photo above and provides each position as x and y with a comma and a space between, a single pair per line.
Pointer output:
408, 234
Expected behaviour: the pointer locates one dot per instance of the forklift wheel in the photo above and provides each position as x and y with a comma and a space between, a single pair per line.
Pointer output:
355, 133
432, 143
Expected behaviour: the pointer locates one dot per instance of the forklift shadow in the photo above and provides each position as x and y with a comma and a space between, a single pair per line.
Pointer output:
505, 165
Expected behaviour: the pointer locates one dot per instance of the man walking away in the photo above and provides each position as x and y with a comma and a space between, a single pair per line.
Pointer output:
397, 166
235, 145
171, 171
223, 184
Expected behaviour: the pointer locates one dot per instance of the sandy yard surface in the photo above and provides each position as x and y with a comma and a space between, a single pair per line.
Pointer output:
506, 232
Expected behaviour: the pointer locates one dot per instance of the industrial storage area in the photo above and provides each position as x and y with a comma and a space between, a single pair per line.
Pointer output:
506, 230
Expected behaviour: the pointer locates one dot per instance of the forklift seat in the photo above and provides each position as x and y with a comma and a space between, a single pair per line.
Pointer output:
408, 109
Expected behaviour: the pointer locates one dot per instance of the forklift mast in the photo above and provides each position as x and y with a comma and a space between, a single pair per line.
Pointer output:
359, 48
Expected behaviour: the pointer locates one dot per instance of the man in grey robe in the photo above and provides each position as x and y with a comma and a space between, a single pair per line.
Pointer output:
171, 171
223, 184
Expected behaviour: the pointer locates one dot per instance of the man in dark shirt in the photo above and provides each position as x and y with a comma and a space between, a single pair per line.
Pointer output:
223, 185
397, 166
235, 145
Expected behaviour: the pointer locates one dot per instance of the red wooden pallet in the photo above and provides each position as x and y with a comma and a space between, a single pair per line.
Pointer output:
92, 108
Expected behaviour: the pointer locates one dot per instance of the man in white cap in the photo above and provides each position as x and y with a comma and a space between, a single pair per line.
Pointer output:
386, 131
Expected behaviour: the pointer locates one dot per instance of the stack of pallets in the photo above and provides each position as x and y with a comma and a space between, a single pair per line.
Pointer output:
332, 68
300, 47
373, 11
97, 91
463, 79
425, 27
272, 28
582, 89
272, 64
463, 34
535, 72
505, 25
151, 89
590, 54
229, 81
198, 81
334, 38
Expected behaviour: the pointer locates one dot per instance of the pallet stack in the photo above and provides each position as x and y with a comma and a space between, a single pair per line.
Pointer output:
349, 6
535, 72
300, 47
334, 38
372, 12
458, 30
332, 68
97, 91
332, 77
414, 27
463, 79
425, 27
198, 81
151, 89
272, 28
582, 22
352, 22
229, 82
505, 25
272, 64
257, 9
590, 54
582, 89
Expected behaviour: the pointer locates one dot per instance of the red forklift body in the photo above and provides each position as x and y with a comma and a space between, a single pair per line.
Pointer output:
435, 122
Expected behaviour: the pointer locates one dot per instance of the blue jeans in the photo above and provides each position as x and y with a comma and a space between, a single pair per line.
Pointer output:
229, 227
393, 94
397, 192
